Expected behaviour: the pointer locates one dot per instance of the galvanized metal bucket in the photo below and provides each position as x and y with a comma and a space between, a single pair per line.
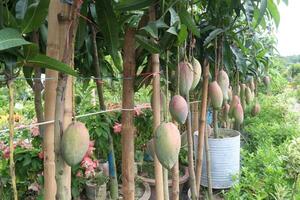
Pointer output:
225, 159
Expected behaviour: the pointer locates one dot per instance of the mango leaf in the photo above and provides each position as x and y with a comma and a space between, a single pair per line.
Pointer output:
127, 5
43, 61
182, 34
147, 44
110, 29
21, 7
28, 71
152, 27
35, 16
212, 35
273, 10
187, 20
174, 18
262, 11
82, 28
8, 19
30, 50
10, 38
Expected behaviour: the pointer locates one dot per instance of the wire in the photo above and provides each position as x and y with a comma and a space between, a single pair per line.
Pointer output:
76, 117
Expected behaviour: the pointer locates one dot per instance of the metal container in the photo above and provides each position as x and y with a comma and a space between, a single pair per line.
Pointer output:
225, 159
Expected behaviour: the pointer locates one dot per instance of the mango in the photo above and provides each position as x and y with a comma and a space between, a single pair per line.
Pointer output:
74, 143
255, 109
167, 144
223, 82
238, 114
179, 109
197, 70
216, 95
186, 78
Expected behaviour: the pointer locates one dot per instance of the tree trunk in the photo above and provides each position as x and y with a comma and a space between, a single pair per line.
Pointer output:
127, 115
50, 94
191, 153
64, 98
175, 181
202, 126
37, 89
156, 113
11, 139
99, 82
195, 117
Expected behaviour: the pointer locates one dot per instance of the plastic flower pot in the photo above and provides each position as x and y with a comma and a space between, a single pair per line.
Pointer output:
95, 192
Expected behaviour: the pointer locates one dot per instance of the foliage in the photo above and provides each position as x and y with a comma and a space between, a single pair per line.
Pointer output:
264, 173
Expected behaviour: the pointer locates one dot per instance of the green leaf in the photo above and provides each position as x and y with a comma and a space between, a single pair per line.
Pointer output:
187, 20
272, 8
10, 38
7, 18
43, 61
21, 7
30, 50
27, 71
174, 18
147, 44
127, 5
110, 29
35, 16
82, 27
212, 35
182, 34
262, 11
152, 27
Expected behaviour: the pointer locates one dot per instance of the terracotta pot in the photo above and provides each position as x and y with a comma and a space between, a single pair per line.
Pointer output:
182, 180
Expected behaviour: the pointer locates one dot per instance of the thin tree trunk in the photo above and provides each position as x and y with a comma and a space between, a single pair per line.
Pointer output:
195, 117
50, 96
97, 67
11, 139
37, 89
208, 167
127, 115
191, 153
166, 183
156, 114
175, 181
64, 98
202, 126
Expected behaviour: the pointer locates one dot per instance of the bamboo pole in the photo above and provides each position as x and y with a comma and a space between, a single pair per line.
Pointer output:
202, 125
127, 115
156, 114
191, 153
50, 94
11, 139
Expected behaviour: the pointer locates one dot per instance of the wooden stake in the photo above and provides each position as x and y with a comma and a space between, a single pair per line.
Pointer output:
202, 126
175, 181
191, 153
127, 115
50, 94
208, 167
11, 139
156, 113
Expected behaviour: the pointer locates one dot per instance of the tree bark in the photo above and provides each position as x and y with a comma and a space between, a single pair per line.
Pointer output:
50, 94
64, 97
127, 115
202, 126
99, 82
156, 113
175, 181
191, 153
11, 139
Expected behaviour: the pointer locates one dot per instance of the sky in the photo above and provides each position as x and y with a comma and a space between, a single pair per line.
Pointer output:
288, 34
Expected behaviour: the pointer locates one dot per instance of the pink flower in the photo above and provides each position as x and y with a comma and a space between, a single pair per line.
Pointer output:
2, 145
35, 131
90, 149
6, 152
89, 172
41, 155
24, 144
87, 162
79, 174
137, 111
117, 127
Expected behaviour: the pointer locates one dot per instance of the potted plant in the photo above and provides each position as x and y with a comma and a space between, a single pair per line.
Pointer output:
142, 190
146, 175
95, 188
